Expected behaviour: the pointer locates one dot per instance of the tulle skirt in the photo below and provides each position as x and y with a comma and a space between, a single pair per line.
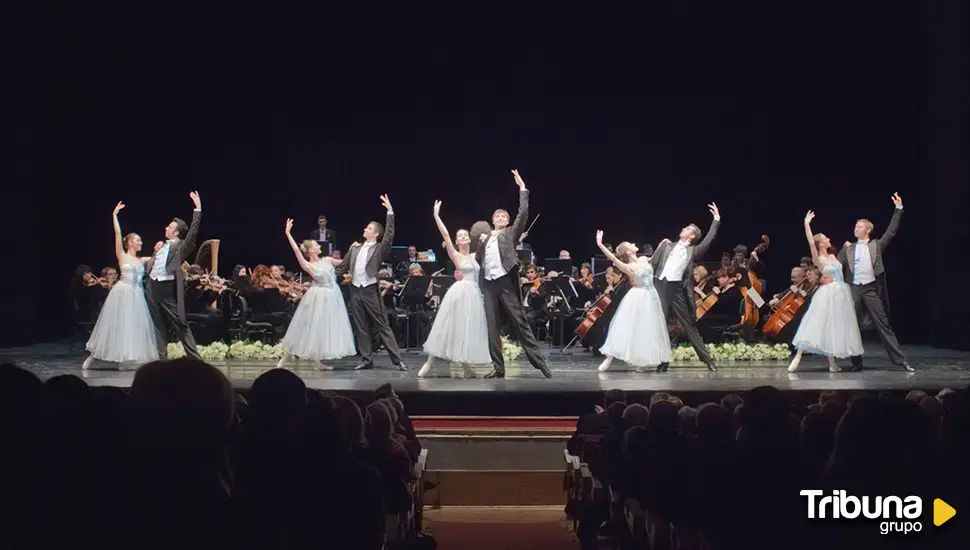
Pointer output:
125, 331
829, 326
459, 332
320, 329
638, 331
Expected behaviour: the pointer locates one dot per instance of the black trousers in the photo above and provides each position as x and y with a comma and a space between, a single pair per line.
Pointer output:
866, 298
367, 309
163, 303
502, 299
674, 299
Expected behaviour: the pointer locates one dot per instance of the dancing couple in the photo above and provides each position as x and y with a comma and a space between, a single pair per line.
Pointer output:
470, 313
830, 326
133, 324
638, 331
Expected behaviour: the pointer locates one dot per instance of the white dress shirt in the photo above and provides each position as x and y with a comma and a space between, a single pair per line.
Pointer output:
493, 260
360, 277
676, 263
159, 271
862, 272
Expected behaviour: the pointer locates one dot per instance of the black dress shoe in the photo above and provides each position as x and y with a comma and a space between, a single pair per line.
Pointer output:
495, 374
711, 367
662, 367
365, 365
907, 367
855, 368
402, 367
545, 371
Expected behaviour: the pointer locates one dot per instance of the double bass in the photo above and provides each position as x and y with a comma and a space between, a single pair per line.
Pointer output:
751, 316
788, 308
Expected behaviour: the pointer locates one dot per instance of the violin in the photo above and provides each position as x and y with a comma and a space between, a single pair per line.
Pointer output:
751, 316
788, 308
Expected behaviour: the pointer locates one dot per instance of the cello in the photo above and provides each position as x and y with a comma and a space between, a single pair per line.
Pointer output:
788, 308
596, 310
751, 316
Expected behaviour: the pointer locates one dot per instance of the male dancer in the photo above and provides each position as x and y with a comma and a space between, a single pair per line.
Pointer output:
862, 267
673, 268
500, 283
165, 285
366, 305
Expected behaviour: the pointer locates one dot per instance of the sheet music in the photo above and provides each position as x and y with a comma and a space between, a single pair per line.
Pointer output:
755, 297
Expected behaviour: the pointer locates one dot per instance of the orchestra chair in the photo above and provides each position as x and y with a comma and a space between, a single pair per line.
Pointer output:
267, 332
82, 328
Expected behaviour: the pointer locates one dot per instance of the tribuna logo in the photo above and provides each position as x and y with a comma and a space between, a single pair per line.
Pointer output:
840, 505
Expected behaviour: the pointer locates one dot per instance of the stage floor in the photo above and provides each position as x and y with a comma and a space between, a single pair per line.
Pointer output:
573, 372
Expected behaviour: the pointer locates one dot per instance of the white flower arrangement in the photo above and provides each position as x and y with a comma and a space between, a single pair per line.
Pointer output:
253, 351
510, 351
739, 351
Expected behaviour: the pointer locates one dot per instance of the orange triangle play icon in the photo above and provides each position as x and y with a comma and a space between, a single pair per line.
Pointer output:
942, 512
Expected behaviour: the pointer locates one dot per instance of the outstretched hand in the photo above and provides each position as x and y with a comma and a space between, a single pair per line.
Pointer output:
196, 199
897, 200
599, 237
518, 180
386, 202
713, 208
437, 208
809, 217
289, 225
119, 207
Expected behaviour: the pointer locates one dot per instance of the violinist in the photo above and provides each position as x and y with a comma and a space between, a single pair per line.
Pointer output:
201, 295
109, 276
88, 295
585, 283
725, 314
266, 301
535, 296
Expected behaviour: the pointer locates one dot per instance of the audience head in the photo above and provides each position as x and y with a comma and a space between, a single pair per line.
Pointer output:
664, 420
351, 423
380, 428
614, 414
658, 397
676, 401
688, 420
731, 401
635, 415
277, 395
613, 396
715, 423
764, 417
915, 396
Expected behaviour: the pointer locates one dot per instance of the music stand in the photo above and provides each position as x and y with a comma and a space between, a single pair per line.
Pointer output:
326, 247
429, 267
526, 257
441, 284
399, 254
599, 263
564, 267
415, 292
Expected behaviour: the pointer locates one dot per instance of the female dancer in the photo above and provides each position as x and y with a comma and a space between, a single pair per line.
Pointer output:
829, 326
638, 331
124, 332
459, 332
320, 328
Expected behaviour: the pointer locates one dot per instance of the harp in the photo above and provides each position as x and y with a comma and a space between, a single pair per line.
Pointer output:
209, 252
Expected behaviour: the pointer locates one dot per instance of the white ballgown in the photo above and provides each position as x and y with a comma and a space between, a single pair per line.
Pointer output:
829, 326
320, 329
459, 332
125, 332
638, 331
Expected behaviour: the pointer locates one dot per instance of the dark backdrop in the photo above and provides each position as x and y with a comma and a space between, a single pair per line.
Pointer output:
629, 121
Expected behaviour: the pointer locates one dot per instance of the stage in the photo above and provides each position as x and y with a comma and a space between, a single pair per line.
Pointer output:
575, 378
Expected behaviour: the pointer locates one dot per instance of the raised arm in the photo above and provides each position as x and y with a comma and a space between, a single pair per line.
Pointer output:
193, 232
449, 246
702, 248
305, 265
625, 268
522, 216
119, 243
811, 239
387, 239
893, 226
